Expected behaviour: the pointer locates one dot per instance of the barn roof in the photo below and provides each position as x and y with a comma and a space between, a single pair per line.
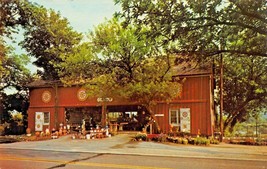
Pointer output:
181, 69
44, 83
186, 69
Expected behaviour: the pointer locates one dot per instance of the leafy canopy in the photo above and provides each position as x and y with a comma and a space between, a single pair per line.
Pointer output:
203, 28
246, 88
122, 62
46, 37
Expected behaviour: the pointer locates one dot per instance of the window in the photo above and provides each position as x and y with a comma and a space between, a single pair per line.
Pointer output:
181, 118
174, 117
46, 118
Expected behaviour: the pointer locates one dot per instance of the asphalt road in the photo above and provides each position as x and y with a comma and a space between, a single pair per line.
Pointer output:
120, 152
42, 159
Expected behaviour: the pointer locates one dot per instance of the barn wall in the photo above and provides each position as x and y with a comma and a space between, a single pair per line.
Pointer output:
196, 95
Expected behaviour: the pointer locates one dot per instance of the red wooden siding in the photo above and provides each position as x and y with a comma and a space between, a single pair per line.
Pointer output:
196, 95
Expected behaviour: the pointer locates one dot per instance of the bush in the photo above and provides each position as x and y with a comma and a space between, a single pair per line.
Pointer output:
185, 141
214, 141
141, 136
179, 140
161, 138
201, 141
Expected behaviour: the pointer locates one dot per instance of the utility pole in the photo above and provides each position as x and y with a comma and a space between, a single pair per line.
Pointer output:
221, 96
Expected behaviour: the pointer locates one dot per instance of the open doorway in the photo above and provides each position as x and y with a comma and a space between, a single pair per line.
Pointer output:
76, 115
127, 118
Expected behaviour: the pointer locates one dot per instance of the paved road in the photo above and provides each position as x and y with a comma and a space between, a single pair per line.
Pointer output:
122, 144
40, 159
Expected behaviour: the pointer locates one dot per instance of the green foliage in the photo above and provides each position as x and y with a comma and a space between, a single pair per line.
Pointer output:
162, 138
194, 141
17, 117
14, 72
123, 62
245, 88
185, 141
141, 136
78, 65
13, 13
202, 28
201, 141
47, 36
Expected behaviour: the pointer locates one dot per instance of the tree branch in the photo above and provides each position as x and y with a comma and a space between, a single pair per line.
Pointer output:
252, 15
212, 53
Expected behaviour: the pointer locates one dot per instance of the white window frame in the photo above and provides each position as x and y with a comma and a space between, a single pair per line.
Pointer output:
44, 123
177, 117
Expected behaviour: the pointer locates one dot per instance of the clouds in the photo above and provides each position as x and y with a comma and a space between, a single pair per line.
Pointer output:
83, 15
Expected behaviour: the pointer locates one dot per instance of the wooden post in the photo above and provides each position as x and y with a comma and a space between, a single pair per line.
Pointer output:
104, 116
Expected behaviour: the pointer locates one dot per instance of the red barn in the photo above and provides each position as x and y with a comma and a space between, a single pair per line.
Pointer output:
52, 105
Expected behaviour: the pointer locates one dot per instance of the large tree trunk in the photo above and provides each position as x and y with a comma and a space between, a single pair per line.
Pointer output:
152, 121
232, 116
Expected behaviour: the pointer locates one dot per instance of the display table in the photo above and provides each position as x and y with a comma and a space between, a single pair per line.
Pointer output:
121, 126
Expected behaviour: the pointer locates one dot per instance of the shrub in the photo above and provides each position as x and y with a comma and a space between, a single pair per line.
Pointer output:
161, 138
184, 141
214, 141
201, 141
141, 136
179, 140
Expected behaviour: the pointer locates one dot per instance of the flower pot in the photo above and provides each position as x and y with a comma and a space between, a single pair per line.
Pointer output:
28, 131
37, 133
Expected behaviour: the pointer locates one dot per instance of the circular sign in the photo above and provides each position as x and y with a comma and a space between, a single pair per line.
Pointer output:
82, 95
185, 114
46, 96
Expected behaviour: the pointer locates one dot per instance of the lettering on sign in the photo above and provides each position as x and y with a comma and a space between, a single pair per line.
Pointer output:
107, 99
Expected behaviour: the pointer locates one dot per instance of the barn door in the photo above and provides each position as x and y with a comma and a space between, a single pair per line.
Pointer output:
39, 119
185, 120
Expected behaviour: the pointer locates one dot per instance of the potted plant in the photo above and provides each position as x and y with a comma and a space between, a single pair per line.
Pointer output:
28, 132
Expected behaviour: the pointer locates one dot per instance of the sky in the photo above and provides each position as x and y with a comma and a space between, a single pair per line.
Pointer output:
83, 15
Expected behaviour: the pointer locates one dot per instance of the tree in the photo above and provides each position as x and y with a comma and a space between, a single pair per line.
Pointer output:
46, 37
14, 75
78, 65
127, 65
203, 28
246, 88
13, 13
